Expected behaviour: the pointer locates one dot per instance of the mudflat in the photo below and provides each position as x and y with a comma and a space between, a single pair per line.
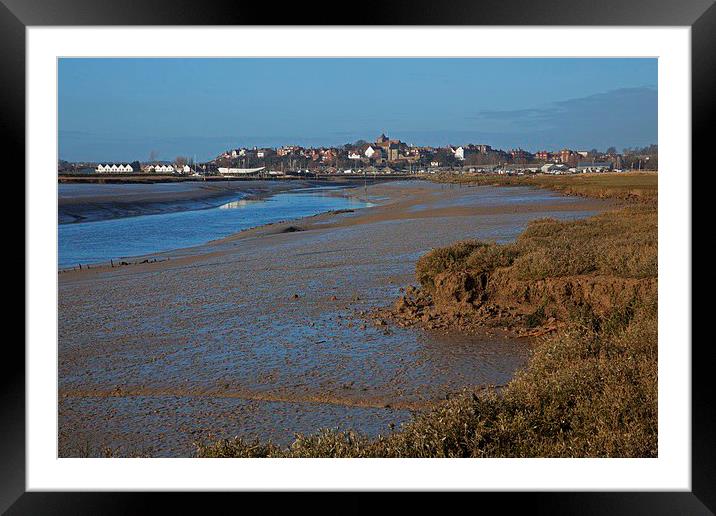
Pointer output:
267, 332
83, 202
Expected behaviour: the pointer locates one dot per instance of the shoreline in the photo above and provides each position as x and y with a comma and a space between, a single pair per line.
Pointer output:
340, 200
108, 202
268, 332
163, 179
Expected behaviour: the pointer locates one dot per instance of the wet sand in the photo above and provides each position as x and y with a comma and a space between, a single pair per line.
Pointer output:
265, 333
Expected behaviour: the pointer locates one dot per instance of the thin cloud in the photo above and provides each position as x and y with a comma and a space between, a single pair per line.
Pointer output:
621, 118
613, 105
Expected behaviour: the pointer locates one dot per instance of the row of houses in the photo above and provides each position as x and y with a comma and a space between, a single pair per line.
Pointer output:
114, 168
167, 169
156, 168
160, 168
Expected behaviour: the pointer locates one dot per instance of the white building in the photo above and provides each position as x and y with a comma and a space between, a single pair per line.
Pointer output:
354, 155
458, 152
159, 168
113, 168
370, 151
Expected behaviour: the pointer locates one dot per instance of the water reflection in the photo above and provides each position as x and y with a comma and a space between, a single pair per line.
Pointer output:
241, 203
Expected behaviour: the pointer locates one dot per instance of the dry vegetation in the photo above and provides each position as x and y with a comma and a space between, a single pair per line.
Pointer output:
590, 388
634, 186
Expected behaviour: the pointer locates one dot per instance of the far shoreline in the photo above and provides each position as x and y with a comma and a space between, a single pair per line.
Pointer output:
160, 179
157, 198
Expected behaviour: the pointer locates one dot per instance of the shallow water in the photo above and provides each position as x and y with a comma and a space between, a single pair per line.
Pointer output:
489, 196
99, 241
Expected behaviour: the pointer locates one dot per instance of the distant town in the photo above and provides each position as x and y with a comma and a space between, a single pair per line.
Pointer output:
384, 156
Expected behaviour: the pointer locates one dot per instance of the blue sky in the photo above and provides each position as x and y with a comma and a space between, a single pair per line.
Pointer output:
125, 109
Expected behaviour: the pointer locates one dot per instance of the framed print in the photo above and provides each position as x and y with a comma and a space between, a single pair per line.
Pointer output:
418, 250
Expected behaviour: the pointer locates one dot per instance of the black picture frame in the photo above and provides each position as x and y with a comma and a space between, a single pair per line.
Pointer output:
700, 15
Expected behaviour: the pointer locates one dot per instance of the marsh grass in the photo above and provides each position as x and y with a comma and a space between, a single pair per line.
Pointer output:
632, 186
621, 243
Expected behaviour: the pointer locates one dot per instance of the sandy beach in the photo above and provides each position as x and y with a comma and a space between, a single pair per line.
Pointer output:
266, 332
